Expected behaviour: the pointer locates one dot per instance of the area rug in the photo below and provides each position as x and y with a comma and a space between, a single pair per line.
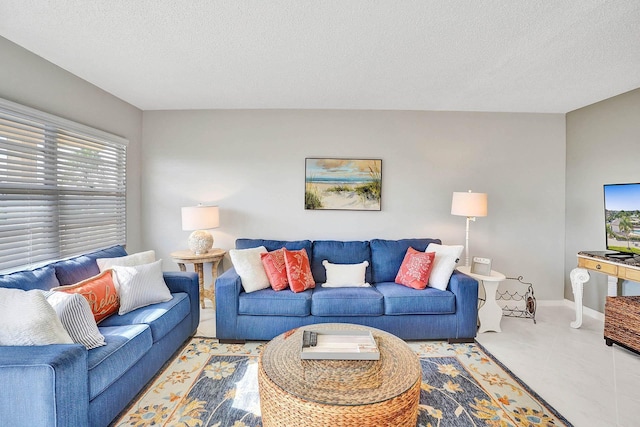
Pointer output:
215, 385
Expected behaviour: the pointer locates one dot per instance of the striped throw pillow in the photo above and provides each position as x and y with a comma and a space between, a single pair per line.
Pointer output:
76, 316
140, 285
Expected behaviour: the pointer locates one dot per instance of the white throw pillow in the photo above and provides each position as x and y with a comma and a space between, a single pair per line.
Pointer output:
345, 275
140, 285
132, 260
26, 318
248, 265
443, 264
77, 318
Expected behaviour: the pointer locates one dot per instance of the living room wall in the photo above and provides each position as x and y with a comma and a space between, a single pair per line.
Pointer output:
29, 80
251, 164
603, 145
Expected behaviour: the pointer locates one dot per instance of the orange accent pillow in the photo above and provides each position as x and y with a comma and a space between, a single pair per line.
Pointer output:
99, 291
415, 269
276, 269
298, 270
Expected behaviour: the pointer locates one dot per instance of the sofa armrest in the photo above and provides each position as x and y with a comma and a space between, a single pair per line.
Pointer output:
44, 386
182, 281
465, 288
228, 288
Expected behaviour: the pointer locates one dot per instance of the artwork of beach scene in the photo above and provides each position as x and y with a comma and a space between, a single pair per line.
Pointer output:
343, 184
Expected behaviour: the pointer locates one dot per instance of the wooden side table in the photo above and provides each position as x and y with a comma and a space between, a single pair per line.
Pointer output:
214, 256
490, 314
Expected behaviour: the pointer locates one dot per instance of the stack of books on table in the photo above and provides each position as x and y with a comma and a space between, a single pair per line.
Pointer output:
339, 345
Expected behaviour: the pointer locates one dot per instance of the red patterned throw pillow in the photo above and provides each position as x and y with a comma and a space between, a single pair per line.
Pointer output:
99, 291
276, 269
298, 270
415, 269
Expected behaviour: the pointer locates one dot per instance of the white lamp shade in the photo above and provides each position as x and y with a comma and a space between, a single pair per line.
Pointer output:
469, 204
200, 217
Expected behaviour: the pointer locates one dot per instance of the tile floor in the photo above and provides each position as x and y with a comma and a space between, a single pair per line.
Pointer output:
590, 384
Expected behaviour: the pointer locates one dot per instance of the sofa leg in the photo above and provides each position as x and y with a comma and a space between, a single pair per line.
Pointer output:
461, 340
222, 341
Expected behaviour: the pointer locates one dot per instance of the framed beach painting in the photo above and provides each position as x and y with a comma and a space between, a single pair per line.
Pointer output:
343, 184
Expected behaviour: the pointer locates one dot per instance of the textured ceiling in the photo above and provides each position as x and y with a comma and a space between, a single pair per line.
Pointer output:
473, 55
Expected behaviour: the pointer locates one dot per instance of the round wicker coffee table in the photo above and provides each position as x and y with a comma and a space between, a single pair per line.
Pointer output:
358, 393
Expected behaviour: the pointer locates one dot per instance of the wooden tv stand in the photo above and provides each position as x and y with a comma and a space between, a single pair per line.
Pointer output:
601, 262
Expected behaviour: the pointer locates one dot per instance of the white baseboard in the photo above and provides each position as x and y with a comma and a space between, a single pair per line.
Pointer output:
551, 303
586, 311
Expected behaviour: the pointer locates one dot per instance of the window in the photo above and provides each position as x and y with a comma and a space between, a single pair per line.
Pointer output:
62, 188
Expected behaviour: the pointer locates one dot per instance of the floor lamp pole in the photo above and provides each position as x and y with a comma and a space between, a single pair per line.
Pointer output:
466, 241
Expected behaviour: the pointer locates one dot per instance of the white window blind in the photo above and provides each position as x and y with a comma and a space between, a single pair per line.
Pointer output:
62, 188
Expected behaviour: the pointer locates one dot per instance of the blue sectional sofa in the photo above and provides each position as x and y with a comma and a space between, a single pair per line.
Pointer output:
405, 312
69, 386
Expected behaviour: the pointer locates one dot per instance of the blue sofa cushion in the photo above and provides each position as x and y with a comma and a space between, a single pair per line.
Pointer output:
75, 270
267, 302
347, 302
336, 252
400, 300
41, 278
125, 346
387, 256
272, 245
161, 317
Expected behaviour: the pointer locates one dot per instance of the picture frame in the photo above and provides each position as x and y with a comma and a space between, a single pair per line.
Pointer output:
343, 184
481, 266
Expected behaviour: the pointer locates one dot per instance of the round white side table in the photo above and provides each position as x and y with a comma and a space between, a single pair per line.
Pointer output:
490, 314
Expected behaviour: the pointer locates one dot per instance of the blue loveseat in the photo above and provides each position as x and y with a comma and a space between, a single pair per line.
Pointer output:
405, 312
67, 385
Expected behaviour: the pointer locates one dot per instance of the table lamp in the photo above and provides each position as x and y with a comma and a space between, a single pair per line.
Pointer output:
199, 218
470, 205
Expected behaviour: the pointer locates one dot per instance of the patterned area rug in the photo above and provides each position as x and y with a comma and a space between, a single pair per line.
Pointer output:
215, 385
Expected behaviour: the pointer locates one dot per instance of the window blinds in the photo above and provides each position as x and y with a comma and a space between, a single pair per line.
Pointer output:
62, 188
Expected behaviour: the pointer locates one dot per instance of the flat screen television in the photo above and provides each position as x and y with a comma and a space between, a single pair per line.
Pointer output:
622, 219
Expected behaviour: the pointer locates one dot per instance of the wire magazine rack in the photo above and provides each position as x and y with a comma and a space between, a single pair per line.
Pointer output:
511, 308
